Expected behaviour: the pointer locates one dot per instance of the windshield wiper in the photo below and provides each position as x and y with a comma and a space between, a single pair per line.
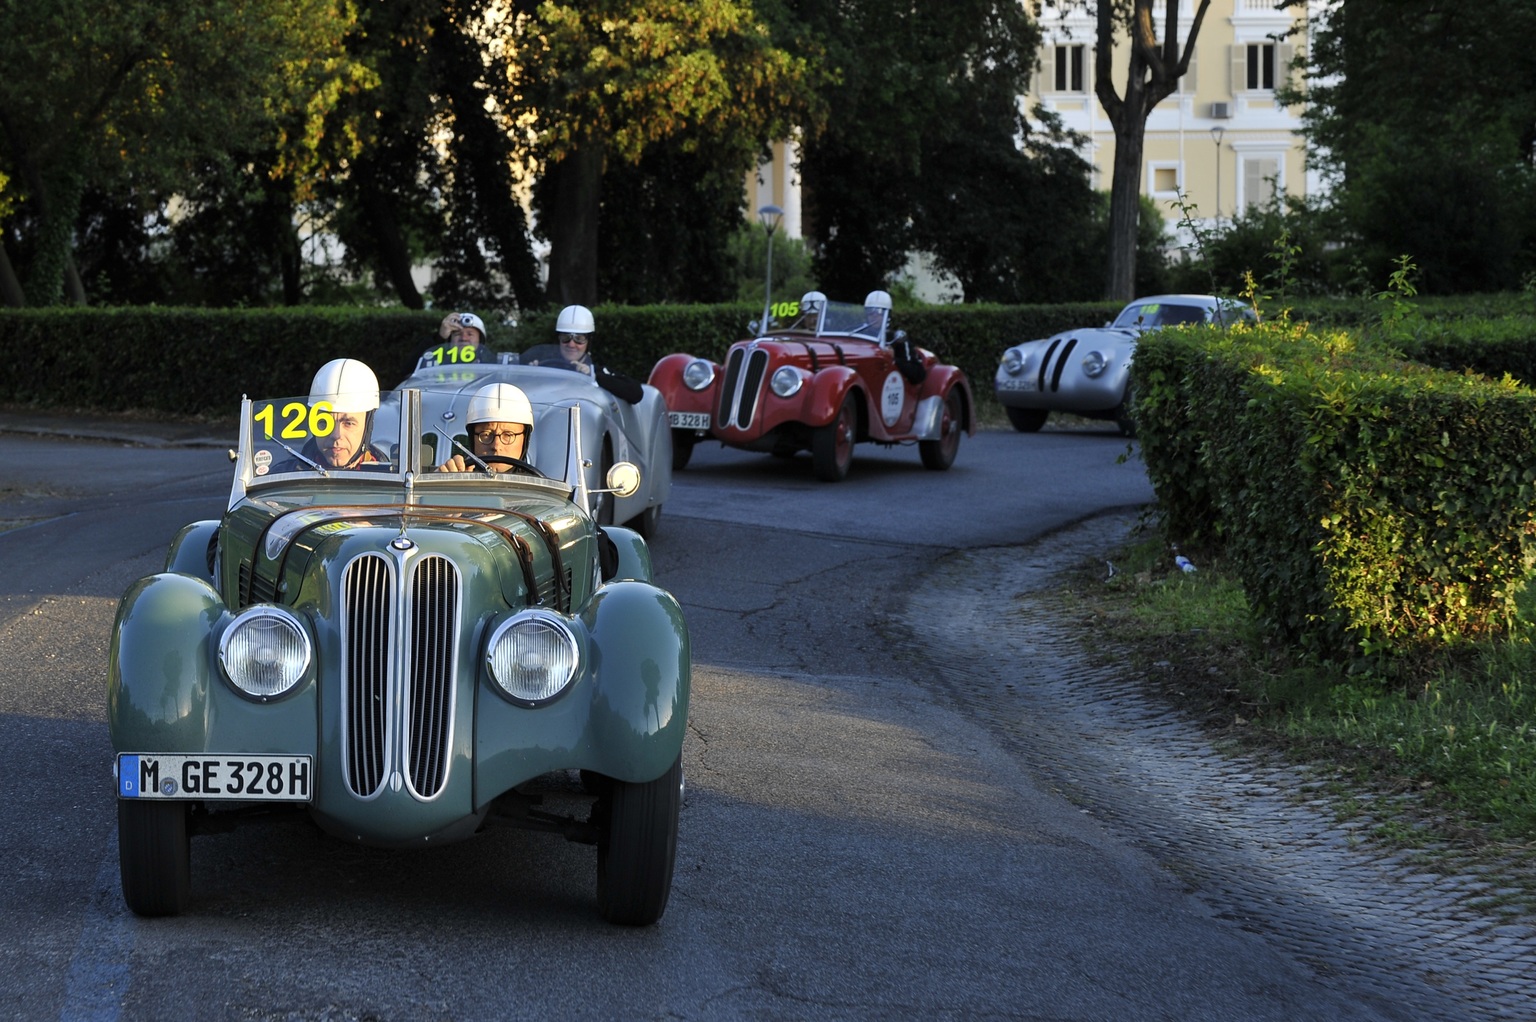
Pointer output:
471, 454
311, 463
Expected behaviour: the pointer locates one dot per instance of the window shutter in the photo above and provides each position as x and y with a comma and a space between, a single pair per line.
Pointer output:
1189, 80
1045, 78
1239, 68
1284, 54
1260, 176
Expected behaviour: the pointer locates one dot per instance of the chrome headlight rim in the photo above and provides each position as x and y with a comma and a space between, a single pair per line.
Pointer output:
786, 381
542, 635
1014, 361
1094, 363
698, 374
287, 663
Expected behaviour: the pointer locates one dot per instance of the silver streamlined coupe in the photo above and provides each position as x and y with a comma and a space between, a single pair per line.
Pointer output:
612, 429
1087, 371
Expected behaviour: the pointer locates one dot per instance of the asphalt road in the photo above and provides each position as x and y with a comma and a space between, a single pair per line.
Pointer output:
853, 844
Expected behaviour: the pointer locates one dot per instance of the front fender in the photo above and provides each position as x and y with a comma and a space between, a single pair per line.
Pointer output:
164, 689
623, 718
189, 552
634, 555
825, 394
667, 377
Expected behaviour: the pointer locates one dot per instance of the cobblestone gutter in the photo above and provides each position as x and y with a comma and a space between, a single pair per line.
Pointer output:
1256, 841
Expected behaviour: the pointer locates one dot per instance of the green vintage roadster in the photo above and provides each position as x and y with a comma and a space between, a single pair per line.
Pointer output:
405, 655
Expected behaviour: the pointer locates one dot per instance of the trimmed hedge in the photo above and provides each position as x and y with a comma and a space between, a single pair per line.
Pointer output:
1371, 506
198, 362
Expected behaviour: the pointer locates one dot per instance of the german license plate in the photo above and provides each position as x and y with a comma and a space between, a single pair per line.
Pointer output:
218, 777
1027, 383
688, 420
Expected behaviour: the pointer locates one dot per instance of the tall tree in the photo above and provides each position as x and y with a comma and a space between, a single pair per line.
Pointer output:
1429, 152
610, 79
926, 149
1156, 62
143, 90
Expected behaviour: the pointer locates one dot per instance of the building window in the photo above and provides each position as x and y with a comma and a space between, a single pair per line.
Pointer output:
1069, 68
1260, 179
1261, 66
1164, 179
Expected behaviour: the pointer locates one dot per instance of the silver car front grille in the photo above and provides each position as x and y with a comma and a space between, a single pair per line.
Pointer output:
1053, 370
744, 370
398, 672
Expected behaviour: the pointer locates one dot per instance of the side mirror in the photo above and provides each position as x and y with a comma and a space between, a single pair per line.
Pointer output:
624, 479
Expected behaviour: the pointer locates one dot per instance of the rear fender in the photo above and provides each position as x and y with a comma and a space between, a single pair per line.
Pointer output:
941, 379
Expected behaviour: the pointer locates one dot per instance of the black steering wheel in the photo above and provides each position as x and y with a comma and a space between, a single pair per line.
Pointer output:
517, 463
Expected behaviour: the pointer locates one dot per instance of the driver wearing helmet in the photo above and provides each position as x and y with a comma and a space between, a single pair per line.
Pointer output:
500, 422
811, 304
574, 329
877, 313
877, 320
350, 392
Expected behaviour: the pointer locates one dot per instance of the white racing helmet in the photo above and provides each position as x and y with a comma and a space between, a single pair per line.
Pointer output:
878, 300
500, 402
811, 303
574, 319
347, 385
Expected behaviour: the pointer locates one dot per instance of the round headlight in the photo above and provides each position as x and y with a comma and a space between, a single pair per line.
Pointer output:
698, 374
785, 381
1094, 363
1013, 362
532, 657
264, 652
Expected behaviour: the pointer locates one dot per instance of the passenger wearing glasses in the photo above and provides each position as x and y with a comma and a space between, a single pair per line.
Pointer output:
574, 351
500, 422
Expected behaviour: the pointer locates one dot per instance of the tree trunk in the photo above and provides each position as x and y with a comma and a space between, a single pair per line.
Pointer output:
10, 286
392, 249
573, 232
1125, 212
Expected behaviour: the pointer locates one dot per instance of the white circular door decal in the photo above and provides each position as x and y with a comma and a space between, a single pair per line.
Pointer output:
892, 396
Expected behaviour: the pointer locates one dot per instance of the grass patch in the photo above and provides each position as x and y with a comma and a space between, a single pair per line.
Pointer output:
1453, 746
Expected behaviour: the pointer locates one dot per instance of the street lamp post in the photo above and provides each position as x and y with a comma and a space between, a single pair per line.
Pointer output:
769, 216
1216, 134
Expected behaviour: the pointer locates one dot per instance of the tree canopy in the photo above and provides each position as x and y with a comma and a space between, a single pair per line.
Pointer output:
134, 97
1423, 115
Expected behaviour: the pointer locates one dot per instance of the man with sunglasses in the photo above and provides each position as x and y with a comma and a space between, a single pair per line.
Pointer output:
500, 422
573, 350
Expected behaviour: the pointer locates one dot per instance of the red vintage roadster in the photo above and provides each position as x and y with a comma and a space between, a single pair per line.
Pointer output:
832, 379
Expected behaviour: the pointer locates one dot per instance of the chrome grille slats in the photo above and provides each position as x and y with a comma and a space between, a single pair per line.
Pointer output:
744, 372
434, 639
368, 615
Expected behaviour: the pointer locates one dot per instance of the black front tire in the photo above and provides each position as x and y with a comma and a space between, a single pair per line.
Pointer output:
1027, 420
154, 853
682, 448
637, 849
832, 444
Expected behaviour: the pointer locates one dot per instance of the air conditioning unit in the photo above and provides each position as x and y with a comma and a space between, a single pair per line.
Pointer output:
1221, 111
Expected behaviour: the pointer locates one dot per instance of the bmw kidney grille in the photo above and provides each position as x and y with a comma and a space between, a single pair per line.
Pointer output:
397, 696
744, 372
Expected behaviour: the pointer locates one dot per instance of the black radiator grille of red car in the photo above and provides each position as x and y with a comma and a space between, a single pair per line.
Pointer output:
738, 397
398, 696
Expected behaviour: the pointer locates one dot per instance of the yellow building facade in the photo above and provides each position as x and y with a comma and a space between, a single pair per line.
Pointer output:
1222, 140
